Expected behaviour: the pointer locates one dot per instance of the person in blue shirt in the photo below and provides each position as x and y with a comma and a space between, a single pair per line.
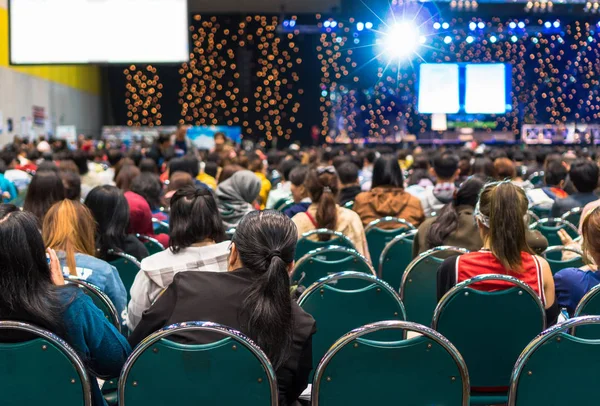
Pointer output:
299, 193
69, 228
8, 190
34, 291
571, 284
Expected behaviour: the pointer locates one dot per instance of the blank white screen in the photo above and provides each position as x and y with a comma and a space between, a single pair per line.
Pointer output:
486, 89
98, 31
438, 88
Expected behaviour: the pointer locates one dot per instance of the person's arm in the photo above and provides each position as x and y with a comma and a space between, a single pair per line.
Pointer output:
12, 190
446, 276
139, 301
567, 241
548, 283
305, 366
157, 316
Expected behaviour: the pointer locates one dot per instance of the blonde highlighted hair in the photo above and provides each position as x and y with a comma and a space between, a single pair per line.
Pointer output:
69, 226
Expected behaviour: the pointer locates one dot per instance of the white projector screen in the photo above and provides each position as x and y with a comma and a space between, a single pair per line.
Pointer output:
438, 88
98, 31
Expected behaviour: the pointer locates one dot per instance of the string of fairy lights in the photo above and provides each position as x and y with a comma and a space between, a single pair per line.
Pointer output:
142, 96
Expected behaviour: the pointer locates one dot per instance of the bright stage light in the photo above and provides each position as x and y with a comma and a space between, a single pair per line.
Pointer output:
469, 39
360, 26
447, 39
481, 25
514, 38
493, 39
333, 24
437, 26
368, 25
556, 24
401, 40
521, 24
422, 39
472, 26
326, 24
292, 23
445, 26
547, 24
512, 25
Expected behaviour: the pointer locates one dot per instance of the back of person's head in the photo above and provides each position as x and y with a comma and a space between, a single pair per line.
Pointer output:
228, 172
348, 173
187, 164
501, 214
255, 163
148, 165
286, 167
484, 167
590, 230
265, 243
387, 172
47, 166
114, 156
194, 218
111, 212
72, 184
505, 169
323, 186
298, 175
555, 173
45, 189
178, 180
447, 221
3, 167
445, 165
420, 162
149, 186
136, 156
25, 280
584, 175
340, 160
211, 168
69, 226
126, 176
540, 156
371, 156
81, 160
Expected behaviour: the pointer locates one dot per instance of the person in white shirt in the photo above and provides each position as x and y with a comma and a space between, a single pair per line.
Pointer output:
284, 188
196, 245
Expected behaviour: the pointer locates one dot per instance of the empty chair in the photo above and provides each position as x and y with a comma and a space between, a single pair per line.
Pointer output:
337, 311
160, 227
128, 268
232, 370
557, 368
316, 265
424, 370
152, 244
556, 264
306, 244
490, 329
418, 289
395, 258
588, 306
573, 216
42, 371
100, 299
378, 237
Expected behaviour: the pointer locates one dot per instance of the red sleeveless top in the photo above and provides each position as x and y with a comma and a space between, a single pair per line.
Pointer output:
484, 262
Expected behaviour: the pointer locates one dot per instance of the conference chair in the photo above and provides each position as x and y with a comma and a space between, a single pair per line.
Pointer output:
316, 265
377, 237
160, 227
423, 370
306, 244
540, 211
589, 305
284, 204
558, 368
395, 258
490, 329
573, 216
537, 178
349, 205
232, 370
418, 288
128, 267
556, 262
100, 299
549, 228
152, 244
44, 370
533, 218
338, 311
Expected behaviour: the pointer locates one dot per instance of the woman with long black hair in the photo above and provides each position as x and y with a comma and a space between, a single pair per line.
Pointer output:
34, 291
253, 297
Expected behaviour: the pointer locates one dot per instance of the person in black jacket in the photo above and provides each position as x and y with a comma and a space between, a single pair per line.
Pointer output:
252, 297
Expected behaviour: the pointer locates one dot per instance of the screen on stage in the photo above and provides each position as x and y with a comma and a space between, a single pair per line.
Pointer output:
469, 88
98, 31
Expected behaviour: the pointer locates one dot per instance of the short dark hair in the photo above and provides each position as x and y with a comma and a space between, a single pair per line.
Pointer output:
387, 172
298, 175
555, 173
45, 189
188, 163
348, 173
149, 186
371, 156
445, 165
287, 166
72, 183
81, 160
194, 218
211, 168
114, 156
584, 175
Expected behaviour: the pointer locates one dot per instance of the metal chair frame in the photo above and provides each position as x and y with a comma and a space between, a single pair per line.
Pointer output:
390, 245
94, 290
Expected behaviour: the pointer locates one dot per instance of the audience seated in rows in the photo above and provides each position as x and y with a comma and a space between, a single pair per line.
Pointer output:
149, 186
283, 189
301, 198
584, 175
349, 185
555, 177
445, 171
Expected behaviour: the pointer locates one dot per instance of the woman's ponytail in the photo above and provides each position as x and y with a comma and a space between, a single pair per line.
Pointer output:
322, 185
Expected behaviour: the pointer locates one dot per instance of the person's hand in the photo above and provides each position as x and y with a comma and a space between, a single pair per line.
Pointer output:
565, 238
55, 268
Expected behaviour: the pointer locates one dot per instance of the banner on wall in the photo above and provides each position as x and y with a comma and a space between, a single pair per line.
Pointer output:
203, 137
39, 116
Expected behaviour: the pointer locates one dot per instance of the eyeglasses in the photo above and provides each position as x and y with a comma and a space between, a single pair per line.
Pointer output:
326, 169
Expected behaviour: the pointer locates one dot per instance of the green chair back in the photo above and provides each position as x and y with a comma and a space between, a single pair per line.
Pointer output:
537, 178
541, 212
306, 245
395, 258
42, 371
284, 204
549, 228
160, 227
532, 217
378, 238
418, 289
425, 370
556, 264
573, 216
589, 305
557, 368
152, 244
128, 268
315, 265
100, 299
490, 329
231, 371
349, 205
338, 311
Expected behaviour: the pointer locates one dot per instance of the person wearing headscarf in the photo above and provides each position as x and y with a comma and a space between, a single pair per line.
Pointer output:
236, 195
140, 218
